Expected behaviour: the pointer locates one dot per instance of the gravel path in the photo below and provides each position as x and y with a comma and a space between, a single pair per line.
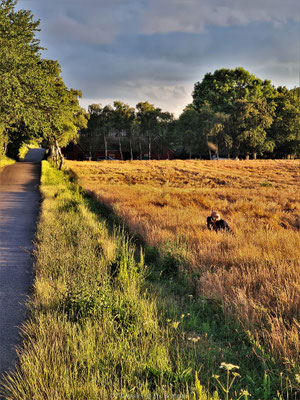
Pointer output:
19, 207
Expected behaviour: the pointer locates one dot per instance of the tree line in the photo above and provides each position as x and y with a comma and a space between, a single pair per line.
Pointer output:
233, 112
132, 128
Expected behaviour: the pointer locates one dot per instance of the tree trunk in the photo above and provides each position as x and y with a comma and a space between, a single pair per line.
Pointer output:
149, 147
254, 156
60, 157
105, 147
120, 147
140, 147
130, 145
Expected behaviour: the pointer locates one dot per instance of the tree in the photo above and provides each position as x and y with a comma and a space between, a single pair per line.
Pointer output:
124, 117
165, 127
91, 136
148, 117
19, 70
236, 108
33, 96
251, 120
62, 116
285, 130
188, 128
222, 89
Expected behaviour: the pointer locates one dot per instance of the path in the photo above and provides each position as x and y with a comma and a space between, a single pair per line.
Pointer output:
19, 206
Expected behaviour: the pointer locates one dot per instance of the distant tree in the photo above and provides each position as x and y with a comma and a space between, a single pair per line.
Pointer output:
236, 109
222, 89
285, 130
165, 128
124, 117
91, 136
188, 128
101, 123
252, 119
148, 117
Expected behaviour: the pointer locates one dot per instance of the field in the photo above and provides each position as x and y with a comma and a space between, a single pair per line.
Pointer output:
254, 270
105, 324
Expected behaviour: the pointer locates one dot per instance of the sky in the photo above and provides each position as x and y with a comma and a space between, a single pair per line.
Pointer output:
156, 50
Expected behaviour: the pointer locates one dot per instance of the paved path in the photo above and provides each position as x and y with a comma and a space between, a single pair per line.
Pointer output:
19, 207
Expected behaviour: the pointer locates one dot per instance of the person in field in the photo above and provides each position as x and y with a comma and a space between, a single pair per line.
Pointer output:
214, 222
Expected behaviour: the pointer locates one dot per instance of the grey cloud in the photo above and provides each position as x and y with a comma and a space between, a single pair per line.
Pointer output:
103, 21
194, 16
136, 50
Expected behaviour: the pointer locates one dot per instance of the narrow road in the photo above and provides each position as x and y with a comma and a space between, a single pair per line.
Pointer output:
19, 207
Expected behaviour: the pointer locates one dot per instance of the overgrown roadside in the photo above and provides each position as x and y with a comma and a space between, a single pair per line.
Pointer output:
5, 161
96, 331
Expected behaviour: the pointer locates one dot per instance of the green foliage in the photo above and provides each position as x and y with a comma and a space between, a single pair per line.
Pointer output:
239, 112
285, 130
34, 101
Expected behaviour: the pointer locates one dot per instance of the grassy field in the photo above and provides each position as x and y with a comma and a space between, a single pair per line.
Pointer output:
103, 325
254, 271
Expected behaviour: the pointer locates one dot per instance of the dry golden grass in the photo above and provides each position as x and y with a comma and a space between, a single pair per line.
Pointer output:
255, 269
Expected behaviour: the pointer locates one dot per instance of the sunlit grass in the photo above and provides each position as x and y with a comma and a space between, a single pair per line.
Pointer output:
255, 270
5, 161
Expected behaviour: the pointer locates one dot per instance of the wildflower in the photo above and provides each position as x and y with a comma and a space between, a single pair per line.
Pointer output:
245, 393
228, 367
297, 376
193, 338
175, 324
182, 316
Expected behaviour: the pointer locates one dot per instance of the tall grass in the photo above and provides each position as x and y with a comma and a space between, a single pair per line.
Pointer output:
255, 271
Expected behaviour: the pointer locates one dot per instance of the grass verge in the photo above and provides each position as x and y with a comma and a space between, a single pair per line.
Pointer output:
5, 161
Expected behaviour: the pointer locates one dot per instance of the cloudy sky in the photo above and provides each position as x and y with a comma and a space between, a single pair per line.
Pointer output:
155, 50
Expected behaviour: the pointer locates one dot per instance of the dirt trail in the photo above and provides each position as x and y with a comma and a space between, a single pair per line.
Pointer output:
19, 206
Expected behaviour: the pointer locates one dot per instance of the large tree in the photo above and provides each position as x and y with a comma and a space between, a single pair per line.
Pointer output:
61, 115
285, 130
33, 96
241, 108
20, 70
222, 89
251, 120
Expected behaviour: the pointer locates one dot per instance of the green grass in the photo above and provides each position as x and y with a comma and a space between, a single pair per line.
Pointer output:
5, 161
104, 325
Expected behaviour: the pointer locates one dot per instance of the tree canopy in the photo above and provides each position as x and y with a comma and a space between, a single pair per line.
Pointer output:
33, 96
